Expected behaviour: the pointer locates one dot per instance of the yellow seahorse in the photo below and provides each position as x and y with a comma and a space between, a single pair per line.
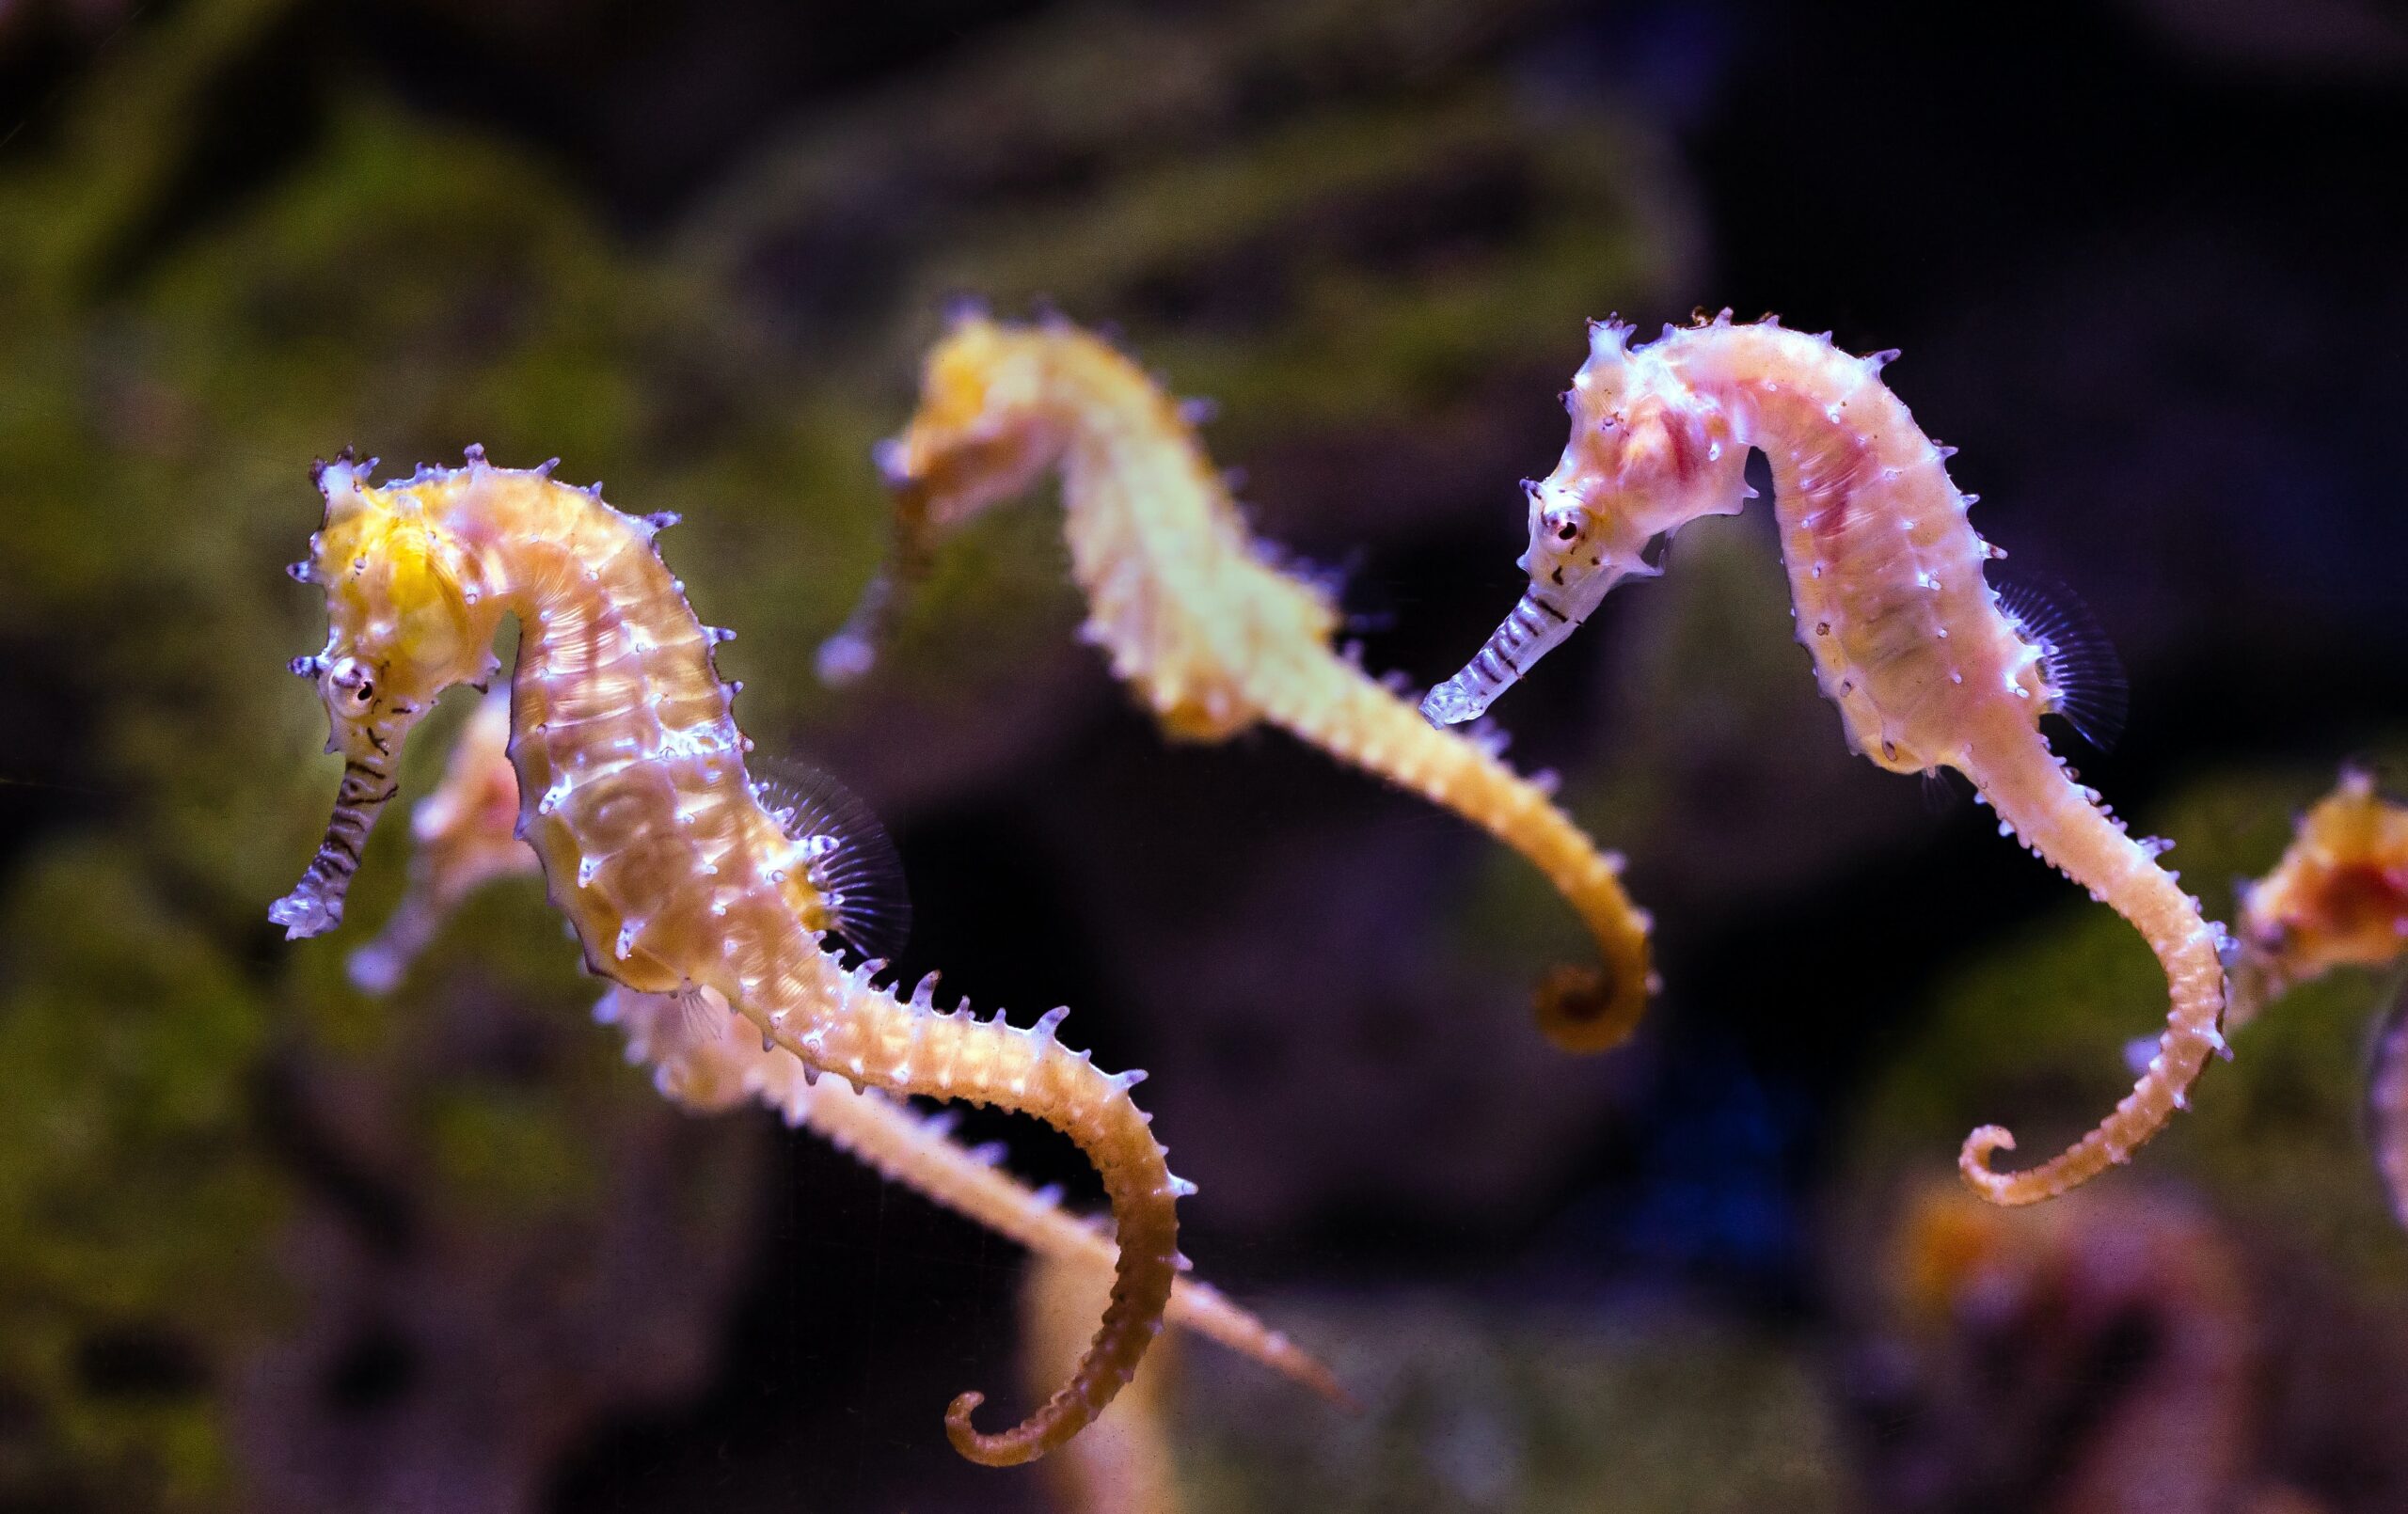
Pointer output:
1926, 665
466, 835
1213, 637
2338, 898
675, 877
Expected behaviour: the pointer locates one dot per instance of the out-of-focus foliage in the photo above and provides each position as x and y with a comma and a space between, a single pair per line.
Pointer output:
136, 1211
1467, 1412
265, 1244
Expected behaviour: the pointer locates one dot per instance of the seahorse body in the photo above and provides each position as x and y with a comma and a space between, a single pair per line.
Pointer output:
1908, 639
1213, 636
675, 876
465, 833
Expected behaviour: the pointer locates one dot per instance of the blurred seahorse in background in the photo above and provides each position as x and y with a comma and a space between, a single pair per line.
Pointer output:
2101, 1356
674, 873
1194, 613
2338, 898
466, 834
1930, 666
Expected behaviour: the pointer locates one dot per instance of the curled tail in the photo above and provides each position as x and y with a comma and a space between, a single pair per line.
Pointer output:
1360, 721
2064, 825
904, 1147
1125, 1463
714, 1072
912, 1047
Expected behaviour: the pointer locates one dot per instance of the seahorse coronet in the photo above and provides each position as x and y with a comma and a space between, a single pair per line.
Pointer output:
1907, 635
627, 757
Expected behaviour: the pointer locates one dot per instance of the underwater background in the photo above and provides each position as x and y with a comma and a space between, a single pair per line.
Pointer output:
267, 1243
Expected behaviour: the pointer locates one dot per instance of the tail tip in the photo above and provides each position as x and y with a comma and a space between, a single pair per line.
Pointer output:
1585, 1010
1009, 1449
1973, 1161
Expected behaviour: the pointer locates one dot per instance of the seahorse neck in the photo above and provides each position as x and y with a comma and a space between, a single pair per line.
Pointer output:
1135, 484
1807, 406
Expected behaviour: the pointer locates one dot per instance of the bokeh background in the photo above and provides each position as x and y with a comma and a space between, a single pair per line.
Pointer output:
267, 1244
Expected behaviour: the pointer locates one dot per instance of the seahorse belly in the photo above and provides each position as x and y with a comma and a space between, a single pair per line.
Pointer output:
1885, 568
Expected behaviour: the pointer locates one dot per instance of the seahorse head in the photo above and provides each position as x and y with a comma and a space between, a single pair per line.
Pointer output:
402, 625
1647, 455
979, 435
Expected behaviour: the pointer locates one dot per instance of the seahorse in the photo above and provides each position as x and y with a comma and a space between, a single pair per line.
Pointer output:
1199, 617
466, 835
2338, 898
1929, 667
673, 872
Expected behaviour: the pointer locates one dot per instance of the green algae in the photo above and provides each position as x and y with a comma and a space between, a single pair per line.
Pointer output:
135, 1203
1469, 1409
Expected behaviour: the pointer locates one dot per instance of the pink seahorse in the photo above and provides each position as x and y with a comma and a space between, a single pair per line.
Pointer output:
1928, 667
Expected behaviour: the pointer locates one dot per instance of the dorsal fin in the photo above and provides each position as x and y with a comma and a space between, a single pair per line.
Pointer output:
2085, 676
862, 876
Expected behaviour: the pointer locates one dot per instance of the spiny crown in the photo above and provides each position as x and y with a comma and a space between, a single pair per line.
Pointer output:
1635, 424
967, 444
397, 610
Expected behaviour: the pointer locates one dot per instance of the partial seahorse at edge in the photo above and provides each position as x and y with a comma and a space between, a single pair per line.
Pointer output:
1909, 639
2338, 898
672, 871
1199, 619
465, 835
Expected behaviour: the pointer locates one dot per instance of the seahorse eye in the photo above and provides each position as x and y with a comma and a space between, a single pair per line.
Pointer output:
1563, 524
349, 676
